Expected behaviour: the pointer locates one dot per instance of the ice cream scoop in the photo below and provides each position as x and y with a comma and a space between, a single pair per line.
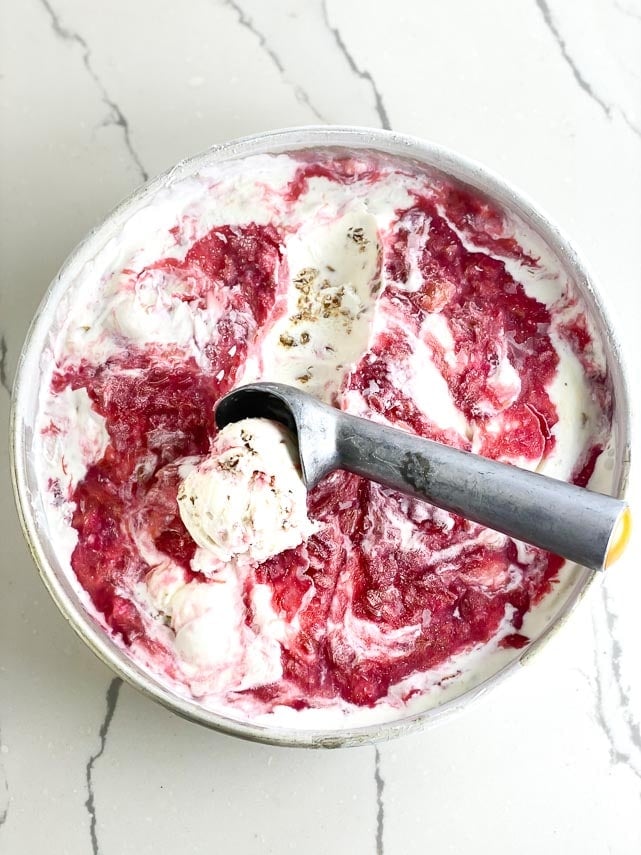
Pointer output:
583, 526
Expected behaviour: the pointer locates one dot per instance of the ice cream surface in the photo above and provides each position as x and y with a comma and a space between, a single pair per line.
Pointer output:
380, 287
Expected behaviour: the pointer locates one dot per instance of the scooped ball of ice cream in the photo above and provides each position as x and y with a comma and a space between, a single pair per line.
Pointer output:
246, 501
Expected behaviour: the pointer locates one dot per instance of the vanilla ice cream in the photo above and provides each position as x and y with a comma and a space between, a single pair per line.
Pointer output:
246, 501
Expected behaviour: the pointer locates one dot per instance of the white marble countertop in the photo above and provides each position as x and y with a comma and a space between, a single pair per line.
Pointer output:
96, 97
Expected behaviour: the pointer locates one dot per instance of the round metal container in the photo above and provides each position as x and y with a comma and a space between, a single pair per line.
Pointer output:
26, 391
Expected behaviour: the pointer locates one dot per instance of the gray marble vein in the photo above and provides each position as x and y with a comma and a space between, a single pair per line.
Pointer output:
4, 382
630, 124
617, 755
245, 21
380, 808
112, 699
633, 727
599, 709
362, 73
627, 11
116, 116
578, 75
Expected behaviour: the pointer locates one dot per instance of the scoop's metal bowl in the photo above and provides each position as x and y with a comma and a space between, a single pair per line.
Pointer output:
42, 542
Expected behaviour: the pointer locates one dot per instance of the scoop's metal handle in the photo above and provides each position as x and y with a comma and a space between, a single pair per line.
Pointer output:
586, 527
570, 521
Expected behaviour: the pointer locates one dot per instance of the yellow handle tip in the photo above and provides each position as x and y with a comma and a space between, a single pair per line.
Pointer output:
620, 537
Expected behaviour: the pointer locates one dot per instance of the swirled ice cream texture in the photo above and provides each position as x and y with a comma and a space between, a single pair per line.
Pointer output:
379, 288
